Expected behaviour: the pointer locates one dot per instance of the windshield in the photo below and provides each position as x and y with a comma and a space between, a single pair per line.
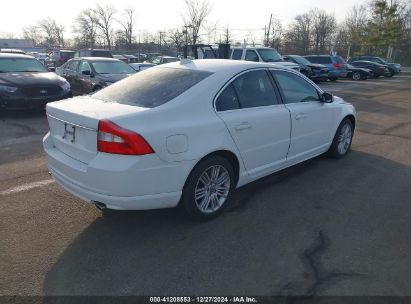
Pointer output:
20, 65
112, 67
152, 87
301, 60
270, 55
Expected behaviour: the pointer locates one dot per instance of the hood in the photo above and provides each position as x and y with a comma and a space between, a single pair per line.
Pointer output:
286, 64
113, 77
353, 68
30, 78
316, 66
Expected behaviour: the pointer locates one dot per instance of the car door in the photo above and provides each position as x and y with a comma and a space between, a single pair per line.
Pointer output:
70, 73
85, 83
311, 119
257, 121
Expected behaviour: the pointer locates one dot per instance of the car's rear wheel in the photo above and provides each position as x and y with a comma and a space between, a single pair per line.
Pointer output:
356, 76
208, 188
333, 78
342, 140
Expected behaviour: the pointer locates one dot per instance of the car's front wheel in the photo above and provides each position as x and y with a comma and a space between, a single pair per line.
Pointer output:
342, 140
356, 76
208, 188
390, 73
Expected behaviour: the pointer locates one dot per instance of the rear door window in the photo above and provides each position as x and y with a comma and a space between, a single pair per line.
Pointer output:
251, 55
228, 99
237, 54
254, 89
152, 87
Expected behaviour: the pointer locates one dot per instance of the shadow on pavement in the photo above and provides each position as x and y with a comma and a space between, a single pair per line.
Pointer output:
265, 244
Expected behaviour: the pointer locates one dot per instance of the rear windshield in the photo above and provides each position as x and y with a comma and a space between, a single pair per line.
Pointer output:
321, 60
20, 65
101, 54
152, 87
301, 60
339, 59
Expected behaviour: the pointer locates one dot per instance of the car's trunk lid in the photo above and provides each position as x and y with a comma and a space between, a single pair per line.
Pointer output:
74, 124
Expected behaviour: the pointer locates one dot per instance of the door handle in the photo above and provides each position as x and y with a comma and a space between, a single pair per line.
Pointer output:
300, 116
242, 126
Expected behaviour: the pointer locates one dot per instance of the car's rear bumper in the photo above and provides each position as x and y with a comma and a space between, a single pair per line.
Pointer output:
141, 202
119, 181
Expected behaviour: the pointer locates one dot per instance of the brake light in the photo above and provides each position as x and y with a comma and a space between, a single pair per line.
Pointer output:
337, 65
112, 138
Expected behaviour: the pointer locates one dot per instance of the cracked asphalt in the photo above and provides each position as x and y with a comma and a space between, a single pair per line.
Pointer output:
323, 227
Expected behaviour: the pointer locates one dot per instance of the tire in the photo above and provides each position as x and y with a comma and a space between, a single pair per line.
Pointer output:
333, 78
356, 76
210, 202
342, 139
390, 74
97, 88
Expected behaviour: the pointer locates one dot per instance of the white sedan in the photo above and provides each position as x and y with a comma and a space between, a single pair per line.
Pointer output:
191, 132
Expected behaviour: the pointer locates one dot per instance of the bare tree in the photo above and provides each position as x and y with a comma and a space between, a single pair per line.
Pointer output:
176, 38
197, 12
324, 26
104, 20
274, 33
85, 26
228, 37
127, 24
32, 32
297, 38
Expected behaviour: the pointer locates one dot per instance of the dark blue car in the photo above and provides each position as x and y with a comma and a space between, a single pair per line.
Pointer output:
337, 67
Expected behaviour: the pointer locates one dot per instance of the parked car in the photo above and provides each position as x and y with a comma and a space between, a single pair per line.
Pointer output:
121, 57
59, 57
337, 67
377, 69
25, 83
149, 56
12, 51
163, 59
316, 72
42, 57
261, 54
90, 74
141, 66
131, 58
393, 68
233, 122
357, 73
93, 53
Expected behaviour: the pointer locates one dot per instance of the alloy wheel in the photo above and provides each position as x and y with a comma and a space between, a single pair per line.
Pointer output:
212, 189
344, 139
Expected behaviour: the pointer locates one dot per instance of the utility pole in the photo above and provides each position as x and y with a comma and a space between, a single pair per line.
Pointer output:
161, 39
267, 39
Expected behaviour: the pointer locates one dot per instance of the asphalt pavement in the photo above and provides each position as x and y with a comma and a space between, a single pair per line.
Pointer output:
323, 227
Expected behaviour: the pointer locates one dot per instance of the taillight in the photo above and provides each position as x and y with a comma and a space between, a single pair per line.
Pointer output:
112, 138
338, 65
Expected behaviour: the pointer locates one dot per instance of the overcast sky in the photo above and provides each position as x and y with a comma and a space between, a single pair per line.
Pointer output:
162, 14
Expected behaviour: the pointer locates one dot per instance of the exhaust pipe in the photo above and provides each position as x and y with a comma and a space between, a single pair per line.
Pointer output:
100, 206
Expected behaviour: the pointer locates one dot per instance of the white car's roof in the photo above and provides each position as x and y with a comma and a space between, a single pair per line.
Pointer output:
219, 65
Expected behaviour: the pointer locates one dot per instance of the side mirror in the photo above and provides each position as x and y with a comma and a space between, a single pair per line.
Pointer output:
51, 69
86, 72
327, 97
